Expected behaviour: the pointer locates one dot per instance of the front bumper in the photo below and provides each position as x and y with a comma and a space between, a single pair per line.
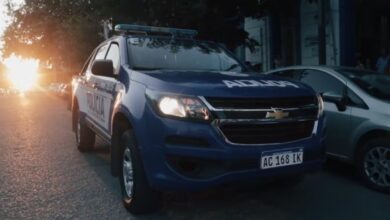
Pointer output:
183, 155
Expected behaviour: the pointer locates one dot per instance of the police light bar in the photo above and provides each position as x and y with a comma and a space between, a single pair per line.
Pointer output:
131, 28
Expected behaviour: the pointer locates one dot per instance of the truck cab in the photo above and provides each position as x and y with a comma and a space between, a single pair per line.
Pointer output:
182, 114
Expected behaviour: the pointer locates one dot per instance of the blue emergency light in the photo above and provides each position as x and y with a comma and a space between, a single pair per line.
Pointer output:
131, 28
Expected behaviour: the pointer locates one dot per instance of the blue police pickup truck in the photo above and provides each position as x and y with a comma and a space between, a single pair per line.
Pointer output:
182, 114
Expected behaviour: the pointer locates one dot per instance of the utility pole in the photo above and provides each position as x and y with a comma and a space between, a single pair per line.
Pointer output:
322, 32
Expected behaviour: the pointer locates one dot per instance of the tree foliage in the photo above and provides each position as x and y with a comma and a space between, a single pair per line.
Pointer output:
62, 33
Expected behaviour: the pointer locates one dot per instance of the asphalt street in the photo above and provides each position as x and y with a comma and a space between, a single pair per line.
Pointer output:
44, 176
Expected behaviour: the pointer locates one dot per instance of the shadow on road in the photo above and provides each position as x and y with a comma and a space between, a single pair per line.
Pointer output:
341, 169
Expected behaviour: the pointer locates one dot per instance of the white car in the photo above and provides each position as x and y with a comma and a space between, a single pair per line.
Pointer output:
357, 106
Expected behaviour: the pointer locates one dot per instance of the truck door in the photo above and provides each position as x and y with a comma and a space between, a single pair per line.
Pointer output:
101, 91
85, 83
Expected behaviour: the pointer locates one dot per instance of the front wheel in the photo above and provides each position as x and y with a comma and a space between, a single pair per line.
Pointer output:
374, 164
138, 196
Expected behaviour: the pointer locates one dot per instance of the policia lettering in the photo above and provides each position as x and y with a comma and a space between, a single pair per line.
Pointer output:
258, 83
96, 105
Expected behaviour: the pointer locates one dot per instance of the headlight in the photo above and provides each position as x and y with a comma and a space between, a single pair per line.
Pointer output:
177, 106
172, 106
320, 105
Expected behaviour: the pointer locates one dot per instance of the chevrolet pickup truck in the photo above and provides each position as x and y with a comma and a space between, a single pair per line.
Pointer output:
181, 114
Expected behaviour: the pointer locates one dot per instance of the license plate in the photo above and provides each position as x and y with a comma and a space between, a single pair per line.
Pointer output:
273, 159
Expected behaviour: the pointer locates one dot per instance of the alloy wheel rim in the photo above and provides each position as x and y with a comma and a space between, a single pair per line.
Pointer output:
128, 172
377, 166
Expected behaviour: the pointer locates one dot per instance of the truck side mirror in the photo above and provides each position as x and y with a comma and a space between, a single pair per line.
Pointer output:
337, 99
103, 68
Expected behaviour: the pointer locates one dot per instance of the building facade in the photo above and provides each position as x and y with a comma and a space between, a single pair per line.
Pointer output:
288, 34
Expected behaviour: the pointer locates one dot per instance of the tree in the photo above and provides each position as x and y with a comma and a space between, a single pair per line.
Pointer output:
62, 33
56, 32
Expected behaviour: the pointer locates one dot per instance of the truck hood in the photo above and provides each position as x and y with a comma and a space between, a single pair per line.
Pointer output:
220, 84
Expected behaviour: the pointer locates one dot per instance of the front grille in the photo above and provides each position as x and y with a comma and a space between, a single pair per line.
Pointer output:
261, 103
264, 120
299, 113
267, 133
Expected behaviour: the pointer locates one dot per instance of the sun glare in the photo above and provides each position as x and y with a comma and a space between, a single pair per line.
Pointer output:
22, 73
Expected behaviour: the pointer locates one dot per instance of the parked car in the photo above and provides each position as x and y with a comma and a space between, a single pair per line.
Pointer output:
357, 105
182, 114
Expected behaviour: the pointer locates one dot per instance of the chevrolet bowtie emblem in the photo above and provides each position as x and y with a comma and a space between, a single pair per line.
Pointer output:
277, 114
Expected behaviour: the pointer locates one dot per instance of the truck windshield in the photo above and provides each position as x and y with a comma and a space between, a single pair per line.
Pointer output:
155, 53
375, 84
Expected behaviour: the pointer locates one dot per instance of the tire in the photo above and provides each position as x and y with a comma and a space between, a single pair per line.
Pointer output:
138, 196
373, 164
85, 137
289, 181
